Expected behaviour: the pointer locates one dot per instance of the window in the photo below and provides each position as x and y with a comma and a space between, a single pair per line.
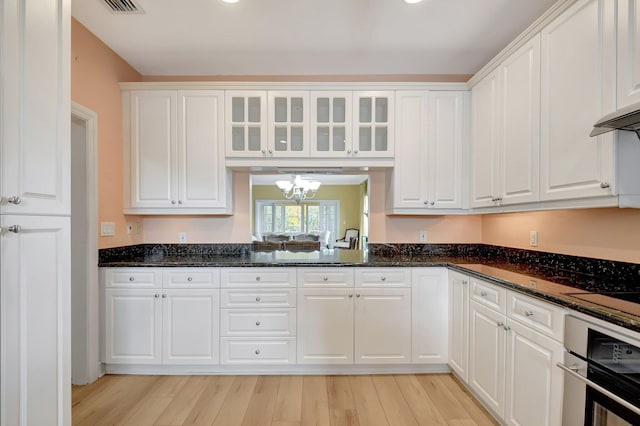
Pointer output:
289, 217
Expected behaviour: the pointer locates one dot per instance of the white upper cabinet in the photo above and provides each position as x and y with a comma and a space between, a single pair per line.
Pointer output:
429, 151
373, 124
35, 162
175, 153
578, 88
246, 123
288, 124
628, 52
331, 123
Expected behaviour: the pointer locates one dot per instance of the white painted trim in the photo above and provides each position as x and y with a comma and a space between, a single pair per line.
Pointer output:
93, 299
253, 85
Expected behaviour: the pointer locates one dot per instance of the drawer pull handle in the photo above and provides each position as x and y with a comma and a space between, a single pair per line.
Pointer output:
258, 299
257, 278
325, 278
383, 278
528, 313
257, 351
483, 293
156, 295
257, 323
189, 279
132, 279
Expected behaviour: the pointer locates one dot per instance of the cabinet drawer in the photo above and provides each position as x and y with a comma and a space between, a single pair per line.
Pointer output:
133, 277
257, 277
325, 277
489, 295
262, 322
258, 351
191, 278
542, 316
250, 298
386, 277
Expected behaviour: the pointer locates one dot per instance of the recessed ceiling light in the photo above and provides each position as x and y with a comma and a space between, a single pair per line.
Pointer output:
412, 1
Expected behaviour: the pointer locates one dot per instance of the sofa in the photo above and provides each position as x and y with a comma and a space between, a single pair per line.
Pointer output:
321, 237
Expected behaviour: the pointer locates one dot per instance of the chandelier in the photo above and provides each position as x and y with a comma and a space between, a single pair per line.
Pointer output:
301, 188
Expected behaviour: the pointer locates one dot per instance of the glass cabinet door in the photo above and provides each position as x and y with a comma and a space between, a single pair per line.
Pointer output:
331, 124
246, 118
288, 124
373, 129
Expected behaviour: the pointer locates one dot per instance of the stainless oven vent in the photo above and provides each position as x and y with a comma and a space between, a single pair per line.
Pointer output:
123, 7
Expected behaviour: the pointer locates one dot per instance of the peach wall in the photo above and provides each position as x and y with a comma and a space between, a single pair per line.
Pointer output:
610, 233
96, 71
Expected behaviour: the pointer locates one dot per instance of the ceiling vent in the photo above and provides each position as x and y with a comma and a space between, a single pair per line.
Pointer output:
123, 6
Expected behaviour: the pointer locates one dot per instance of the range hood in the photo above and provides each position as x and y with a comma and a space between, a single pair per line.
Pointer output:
627, 118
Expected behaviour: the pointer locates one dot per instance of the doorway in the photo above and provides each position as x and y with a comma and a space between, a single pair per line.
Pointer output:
85, 360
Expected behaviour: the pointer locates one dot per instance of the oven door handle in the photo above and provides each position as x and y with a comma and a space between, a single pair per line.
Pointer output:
616, 398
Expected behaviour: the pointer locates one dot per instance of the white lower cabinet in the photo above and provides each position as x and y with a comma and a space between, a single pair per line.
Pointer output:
258, 350
429, 316
161, 326
459, 324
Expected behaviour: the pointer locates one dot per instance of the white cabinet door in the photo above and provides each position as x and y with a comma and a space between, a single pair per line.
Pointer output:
533, 382
412, 167
487, 355
578, 88
288, 124
190, 326
484, 141
331, 124
325, 326
35, 275
153, 135
446, 125
519, 136
133, 326
459, 324
246, 123
429, 316
35, 105
202, 177
373, 124
382, 325
628, 52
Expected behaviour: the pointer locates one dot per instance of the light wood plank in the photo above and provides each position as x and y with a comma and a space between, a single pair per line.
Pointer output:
208, 406
177, 411
151, 405
479, 415
289, 401
315, 402
342, 409
368, 405
237, 400
126, 401
423, 408
263, 402
448, 404
396, 408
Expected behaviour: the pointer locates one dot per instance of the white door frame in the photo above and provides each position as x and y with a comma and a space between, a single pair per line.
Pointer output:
93, 331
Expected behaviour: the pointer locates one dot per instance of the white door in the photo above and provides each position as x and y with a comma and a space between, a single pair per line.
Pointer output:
153, 149
484, 145
628, 52
330, 123
373, 117
325, 326
429, 316
578, 88
133, 326
446, 125
459, 324
36, 307
487, 355
382, 325
190, 326
246, 123
533, 381
288, 114
519, 125
200, 149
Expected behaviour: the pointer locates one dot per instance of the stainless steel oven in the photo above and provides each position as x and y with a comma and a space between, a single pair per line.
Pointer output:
602, 374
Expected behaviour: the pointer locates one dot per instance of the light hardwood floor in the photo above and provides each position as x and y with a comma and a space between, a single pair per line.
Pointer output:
395, 400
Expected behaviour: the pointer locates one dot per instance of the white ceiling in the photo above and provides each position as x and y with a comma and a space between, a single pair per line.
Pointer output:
310, 37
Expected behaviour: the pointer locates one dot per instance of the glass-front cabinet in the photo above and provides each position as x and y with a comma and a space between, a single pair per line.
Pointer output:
331, 114
246, 123
373, 128
288, 124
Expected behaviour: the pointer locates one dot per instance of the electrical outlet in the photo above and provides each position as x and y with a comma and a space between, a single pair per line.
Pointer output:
533, 238
107, 229
129, 228
182, 237
423, 236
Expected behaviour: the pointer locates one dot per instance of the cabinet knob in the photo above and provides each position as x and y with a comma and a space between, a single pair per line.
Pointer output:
270, 152
132, 278
348, 151
257, 351
264, 152
164, 296
483, 293
355, 152
426, 202
257, 278
325, 278
173, 202
528, 313
14, 200
16, 229
189, 279
465, 282
432, 203
180, 201
351, 295
506, 328
257, 322
604, 185
500, 324
258, 299
156, 295
357, 294
383, 279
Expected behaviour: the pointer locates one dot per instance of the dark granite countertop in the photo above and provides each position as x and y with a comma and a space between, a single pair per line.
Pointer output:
552, 277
